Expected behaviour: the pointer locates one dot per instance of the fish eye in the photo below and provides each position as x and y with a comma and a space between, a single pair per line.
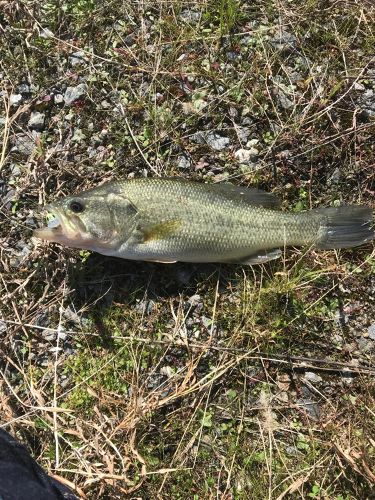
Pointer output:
76, 206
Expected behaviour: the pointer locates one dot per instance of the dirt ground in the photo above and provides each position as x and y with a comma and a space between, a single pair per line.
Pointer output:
138, 380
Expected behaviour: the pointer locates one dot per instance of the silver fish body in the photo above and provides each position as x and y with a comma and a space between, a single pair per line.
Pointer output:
170, 220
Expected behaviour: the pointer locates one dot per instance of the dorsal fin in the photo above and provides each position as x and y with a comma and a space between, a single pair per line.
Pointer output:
252, 196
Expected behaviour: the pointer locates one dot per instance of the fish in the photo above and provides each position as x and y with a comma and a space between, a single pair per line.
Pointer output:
170, 219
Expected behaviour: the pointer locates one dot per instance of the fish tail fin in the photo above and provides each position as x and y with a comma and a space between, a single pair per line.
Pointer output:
345, 227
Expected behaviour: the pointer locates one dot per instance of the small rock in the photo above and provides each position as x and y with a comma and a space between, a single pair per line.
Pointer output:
3, 327
292, 451
242, 134
365, 344
167, 371
31, 222
190, 16
77, 58
247, 121
367, 103
243, 155
371, 332
195, 300
49, 335
36, 121
15, 99
74, 94
206, 322
335, 177
232, 56
358, 86
311, 407
61, 333
312, 377
284, 100
105, 104
46, 33
15, 170
285, 42
24, 88
23, 144
184, 162
212, 138
347, 378
283, 397
58, 98
70, 315
145, 306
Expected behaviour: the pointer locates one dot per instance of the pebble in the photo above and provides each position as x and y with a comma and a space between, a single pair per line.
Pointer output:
184, 162
3, 326
61, 333
365, 344
36, 121
358, 86
190, 16
71, 315
243, 155
194, 300
24, 88
77, 58
284, 100
23, 144
242, 133
15, 99
206, 322
74, 94
58, 98
285, 42
312, 377
15, 170
292, 450
371, 331
367, 103
212, 138
311, 407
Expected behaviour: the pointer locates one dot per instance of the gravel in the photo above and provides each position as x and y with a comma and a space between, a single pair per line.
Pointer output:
36, 121
24, 144
15, 99
284, 42
74, 94
367, 103
184, 162
77, 58
312, 377
212, 138
371, 332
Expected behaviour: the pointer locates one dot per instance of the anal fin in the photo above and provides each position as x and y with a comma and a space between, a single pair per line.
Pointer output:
260, 257
161, 261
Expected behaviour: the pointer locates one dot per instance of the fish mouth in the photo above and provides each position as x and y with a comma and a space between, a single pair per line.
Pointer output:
58, 229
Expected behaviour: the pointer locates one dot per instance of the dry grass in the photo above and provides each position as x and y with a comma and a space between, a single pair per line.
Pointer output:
137, 380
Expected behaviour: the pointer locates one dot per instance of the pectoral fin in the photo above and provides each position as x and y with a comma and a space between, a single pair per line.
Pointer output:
159, 231
259, 257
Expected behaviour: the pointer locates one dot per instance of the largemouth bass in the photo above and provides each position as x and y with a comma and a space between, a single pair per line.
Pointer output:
169, 220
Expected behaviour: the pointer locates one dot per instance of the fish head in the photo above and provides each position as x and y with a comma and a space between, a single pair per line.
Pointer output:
98, 220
